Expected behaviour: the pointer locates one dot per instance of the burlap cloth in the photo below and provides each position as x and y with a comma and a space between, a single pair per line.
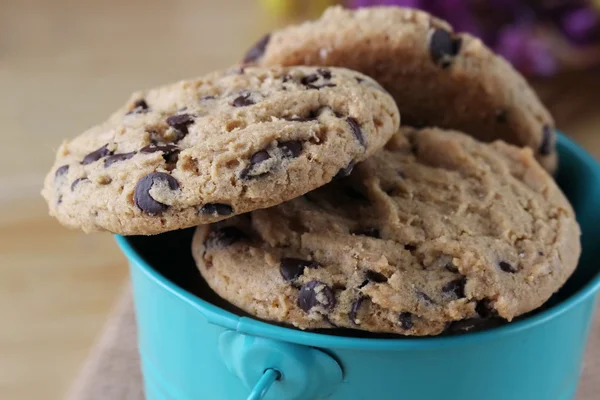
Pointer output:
112, 370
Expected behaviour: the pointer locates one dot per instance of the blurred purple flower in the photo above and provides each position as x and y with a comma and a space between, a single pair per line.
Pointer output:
525, 51
512, 27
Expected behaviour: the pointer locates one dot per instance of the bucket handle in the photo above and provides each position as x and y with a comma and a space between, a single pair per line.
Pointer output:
277, 369
264, 384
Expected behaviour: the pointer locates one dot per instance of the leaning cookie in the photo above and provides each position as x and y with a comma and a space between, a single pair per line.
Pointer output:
437, 77
206, 149
437, 232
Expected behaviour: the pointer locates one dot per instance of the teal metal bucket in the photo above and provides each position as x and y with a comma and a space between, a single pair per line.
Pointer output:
196, 348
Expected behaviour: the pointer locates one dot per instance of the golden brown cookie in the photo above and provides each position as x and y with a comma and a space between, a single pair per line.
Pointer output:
437, 77
435, 232
206, 149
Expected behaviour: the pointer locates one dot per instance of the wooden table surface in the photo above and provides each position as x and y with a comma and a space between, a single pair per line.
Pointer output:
66, 65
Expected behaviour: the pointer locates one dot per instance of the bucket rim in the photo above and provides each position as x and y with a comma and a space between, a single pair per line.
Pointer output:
251, 326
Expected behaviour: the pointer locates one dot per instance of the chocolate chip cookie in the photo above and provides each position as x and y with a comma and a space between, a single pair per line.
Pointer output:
438, 77
435, 233
206, 149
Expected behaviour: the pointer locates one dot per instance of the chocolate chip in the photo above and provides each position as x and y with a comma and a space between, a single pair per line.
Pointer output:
506, 267
291, 268
141, 195
77, 182
216, 209
356, 131
405, 319
456, 287
205, 98
224, 237
110, 160
96, 155
139, 106
325, 73
256, 159
180, 122
424, 297
501, 116
242, 100
309, 79
359, 79
547, 144
451, 267
170, 151
286, 78
346, 171
484, 309
354, 309
316, 293
59, 200
257, 51
410, 247
290, 148
60, 171
376, 277
443, 47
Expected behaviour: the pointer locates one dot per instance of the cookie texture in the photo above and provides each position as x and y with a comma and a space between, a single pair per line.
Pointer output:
438, 77
436, 233
206, 149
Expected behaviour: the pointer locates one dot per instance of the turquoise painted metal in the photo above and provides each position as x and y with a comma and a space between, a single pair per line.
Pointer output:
198, 348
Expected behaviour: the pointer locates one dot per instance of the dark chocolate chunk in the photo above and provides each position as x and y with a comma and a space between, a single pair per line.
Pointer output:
451, 267
456, 287
507, 267
77, 182
216, 209
375, 276
359, 79
96, 155
256, 159
224, 237
243, 100
286, 78
170, 151
372, 232
180, 122
290, 148
405, 319
354, 309
443, 47
60, 171
316, 293
59, 200
308, 80
139, 106
110, 160
424, 297
257, 51
346, 171
547, 144
141, 195
410, 247
356, 131
324, 72
291, 268
205, 98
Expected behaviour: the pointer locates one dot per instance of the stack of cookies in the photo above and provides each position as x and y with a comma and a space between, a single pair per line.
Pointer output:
370, 170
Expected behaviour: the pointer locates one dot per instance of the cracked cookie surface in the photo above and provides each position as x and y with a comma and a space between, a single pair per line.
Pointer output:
438, 77
435, 233
206, 149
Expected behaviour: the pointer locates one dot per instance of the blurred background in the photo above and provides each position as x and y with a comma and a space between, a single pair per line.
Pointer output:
66, 65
